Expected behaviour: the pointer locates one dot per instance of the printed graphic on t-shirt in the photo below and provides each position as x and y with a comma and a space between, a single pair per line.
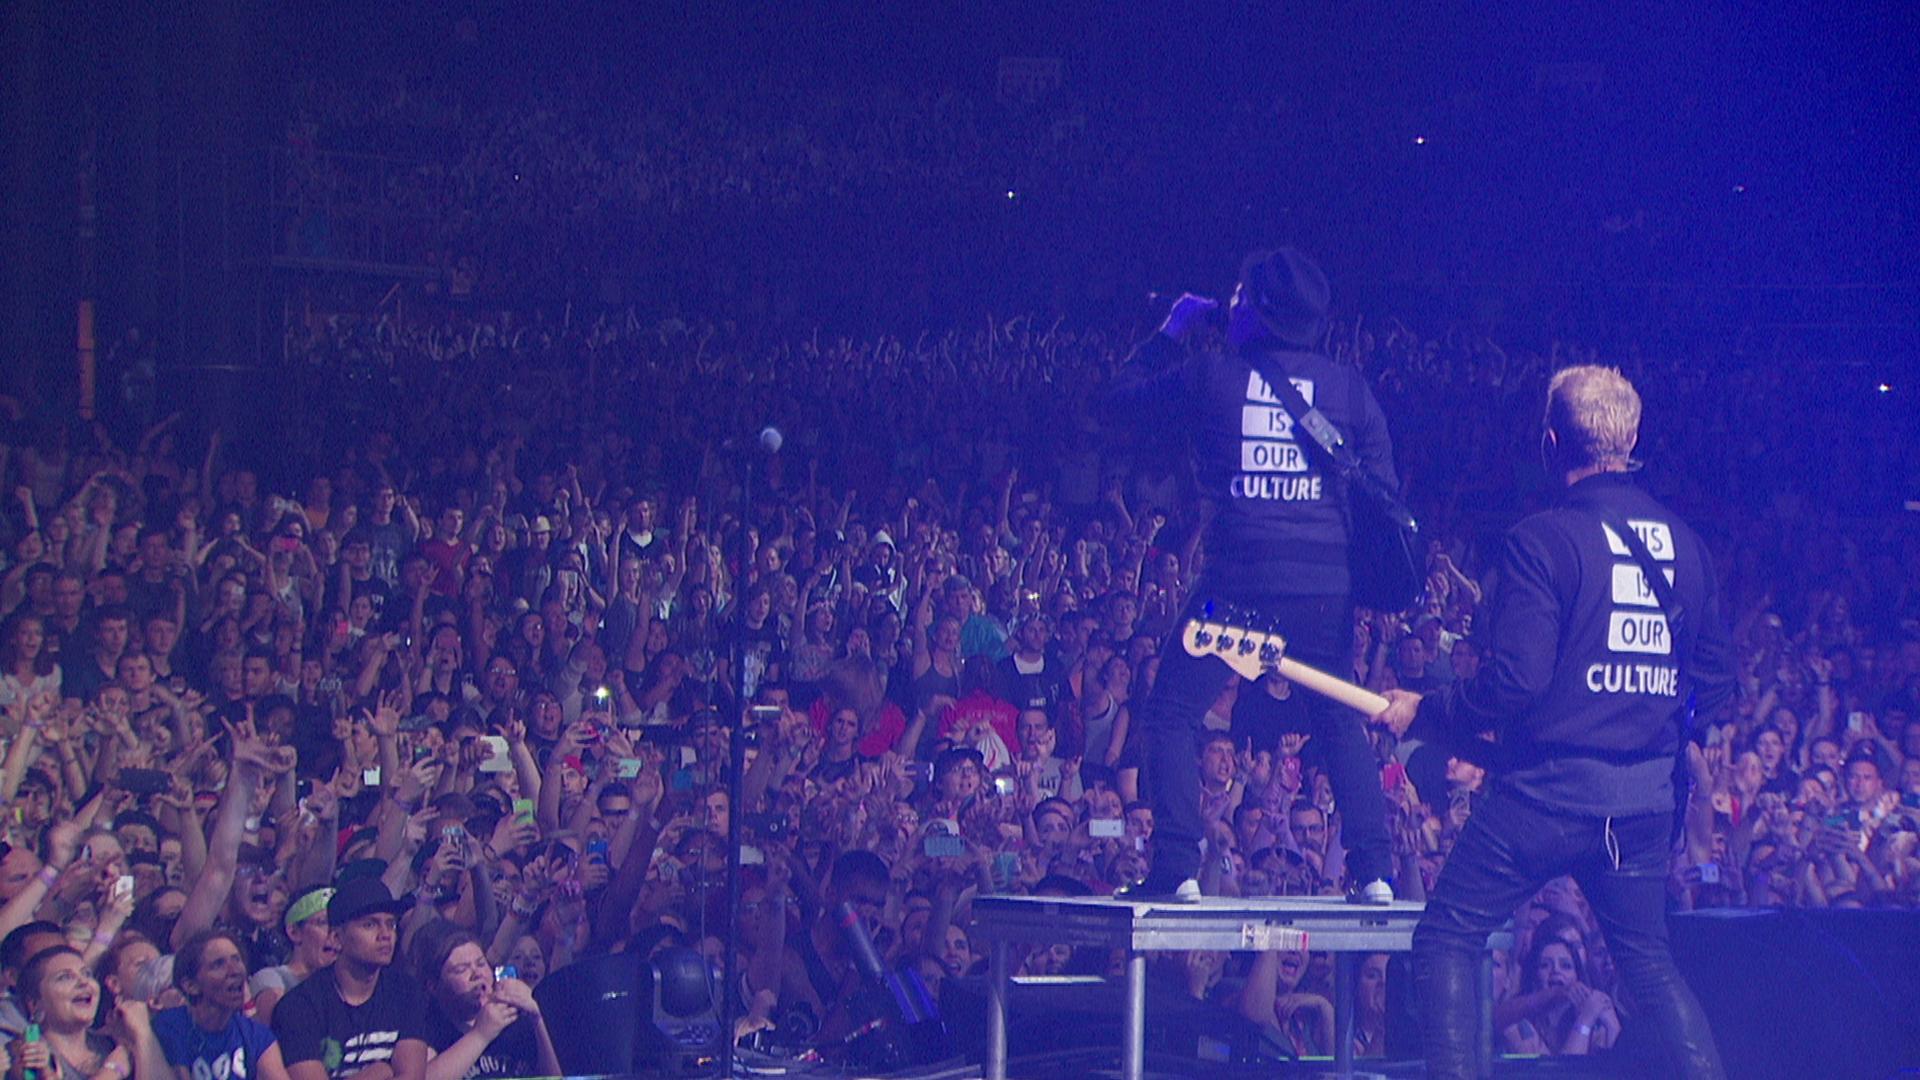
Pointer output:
1636, 627
231, 1065
1273, 465
366, 1048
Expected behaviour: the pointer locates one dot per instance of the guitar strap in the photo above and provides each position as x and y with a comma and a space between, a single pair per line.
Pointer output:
1676, 613
1346, 465
1650, 569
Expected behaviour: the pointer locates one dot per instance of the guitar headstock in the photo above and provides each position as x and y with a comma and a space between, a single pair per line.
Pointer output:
1234, 637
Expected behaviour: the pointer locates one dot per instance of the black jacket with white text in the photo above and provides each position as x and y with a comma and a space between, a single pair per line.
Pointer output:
1583, 683
1280, 524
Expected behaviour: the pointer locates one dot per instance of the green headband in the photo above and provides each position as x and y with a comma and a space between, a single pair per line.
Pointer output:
306, 907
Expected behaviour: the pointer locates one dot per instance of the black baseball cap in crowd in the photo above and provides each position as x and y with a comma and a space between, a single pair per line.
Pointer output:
359, 898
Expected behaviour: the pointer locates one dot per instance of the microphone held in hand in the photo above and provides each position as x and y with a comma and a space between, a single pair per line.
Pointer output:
1188, 309
1155, 296
859, 943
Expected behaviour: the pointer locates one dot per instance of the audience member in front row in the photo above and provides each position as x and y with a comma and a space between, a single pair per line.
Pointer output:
62, 997
477, 1026
209, 1038
356, 1019
305, 923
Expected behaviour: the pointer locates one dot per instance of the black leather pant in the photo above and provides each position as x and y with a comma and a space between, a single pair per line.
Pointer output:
1319, 632
1507, 851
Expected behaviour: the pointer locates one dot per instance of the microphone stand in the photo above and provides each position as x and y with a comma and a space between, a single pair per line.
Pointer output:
736, 770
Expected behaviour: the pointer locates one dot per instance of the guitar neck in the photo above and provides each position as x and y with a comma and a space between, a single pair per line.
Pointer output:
1353, 697
1254, 653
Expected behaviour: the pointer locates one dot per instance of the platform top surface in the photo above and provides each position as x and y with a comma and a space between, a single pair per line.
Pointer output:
1329, 907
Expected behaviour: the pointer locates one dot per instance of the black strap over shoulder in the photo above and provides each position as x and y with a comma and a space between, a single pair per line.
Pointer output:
1384, 554
1331, 443
1676, 613
1663, 593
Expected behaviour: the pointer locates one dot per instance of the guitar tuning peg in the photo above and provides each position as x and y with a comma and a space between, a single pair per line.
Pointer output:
1202, 638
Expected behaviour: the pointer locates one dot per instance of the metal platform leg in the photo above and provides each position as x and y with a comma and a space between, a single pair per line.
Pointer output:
997, 1012
1485, 1013
1133, 1055
1346, 966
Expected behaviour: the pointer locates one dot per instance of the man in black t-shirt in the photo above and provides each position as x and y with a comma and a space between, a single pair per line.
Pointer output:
357, 579
757, 634
356, 1019
390, 529
85, 672
639, 539
162, 578
1030, 677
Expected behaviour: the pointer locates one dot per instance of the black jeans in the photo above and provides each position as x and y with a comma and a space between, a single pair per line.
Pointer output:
1510, 848
1319, 632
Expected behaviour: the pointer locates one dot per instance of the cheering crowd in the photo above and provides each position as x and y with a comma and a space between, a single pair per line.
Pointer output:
449, 708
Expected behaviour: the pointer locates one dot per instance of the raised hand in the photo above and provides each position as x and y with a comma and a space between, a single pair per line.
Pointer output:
515, 729
33, 1056
323, 802
415, 832
448, 861
384, 721
76, 881
1587, 1002
517, 994
347, 782
40, 708
647, 787
536, 881
1402, 706
571, 740
119, 903
618, 744
415, 782
251, 753
511, 834
1262, 773
496, 1015
1187, 312
63, 841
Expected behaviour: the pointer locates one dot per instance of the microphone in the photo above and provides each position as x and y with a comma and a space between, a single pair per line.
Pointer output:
854, 933
902, 1024
1155, 296
769, 440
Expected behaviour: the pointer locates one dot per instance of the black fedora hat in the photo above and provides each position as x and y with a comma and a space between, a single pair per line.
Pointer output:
1289, 293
